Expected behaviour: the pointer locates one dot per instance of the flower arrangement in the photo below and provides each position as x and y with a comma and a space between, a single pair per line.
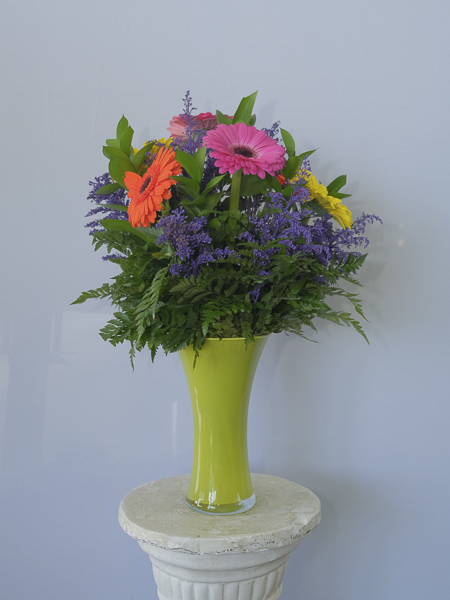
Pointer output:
220, 231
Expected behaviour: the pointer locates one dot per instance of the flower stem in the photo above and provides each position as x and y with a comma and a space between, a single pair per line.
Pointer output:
234, 194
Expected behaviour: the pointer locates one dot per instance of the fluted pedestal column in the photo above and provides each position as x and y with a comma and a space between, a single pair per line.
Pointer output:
216, 557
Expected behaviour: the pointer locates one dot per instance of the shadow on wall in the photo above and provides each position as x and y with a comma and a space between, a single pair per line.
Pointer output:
344, 542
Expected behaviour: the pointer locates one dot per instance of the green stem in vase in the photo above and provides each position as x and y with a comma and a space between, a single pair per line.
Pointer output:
234, 194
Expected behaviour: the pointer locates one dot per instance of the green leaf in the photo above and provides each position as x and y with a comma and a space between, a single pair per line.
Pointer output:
287, 192
115, 207
247, 333
357, 326
150, 233
112, 143
252, 184
200, 156
139, 157
125, 141
149, 303
116, 261
117, 225
213, 200
190, 164
316, 207
189, 183
199, 202
183, 286
118, 167
112, 152
244, 111
214, 223
121, 127
101, 292
289, 142
191, 211
107, 189
223, 119
303, 155
336, 184
212, 184
132, 354
252, 120
122, 226
153, 351
189, 192
294, 163
273, 182
292, 166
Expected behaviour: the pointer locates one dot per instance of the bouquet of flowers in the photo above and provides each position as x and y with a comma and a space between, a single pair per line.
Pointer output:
220, 231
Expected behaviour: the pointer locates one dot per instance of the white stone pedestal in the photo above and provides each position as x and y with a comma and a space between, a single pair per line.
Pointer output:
215, 557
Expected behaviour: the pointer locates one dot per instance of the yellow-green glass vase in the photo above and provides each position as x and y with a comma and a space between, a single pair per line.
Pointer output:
220, 386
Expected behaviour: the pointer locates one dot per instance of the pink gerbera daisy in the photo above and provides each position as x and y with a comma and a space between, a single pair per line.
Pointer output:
241, 146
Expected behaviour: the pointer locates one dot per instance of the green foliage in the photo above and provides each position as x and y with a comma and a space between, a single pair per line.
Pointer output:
190, 164
288, 141
110, 188
243, 113
139, 157
121, 155
337, 184
252, 185
223, 119
118, 167
157, 309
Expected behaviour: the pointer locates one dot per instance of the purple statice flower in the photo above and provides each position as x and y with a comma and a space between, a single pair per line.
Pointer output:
254, 294
285, 224
322, 279
261, 258
278, 225
306, 164
252, 204
343, 241
184, 237
207, 256
210, 171
113, 256
150, 156
119, 197
191, 242
273, 131
193, 132
103, 212
300, 194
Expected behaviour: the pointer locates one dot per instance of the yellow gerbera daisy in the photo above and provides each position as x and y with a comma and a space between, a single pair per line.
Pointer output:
160, 141
319, 192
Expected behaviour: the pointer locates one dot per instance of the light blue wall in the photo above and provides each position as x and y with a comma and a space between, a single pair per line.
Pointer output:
365, 427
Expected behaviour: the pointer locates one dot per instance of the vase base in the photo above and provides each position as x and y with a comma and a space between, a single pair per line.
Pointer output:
222, 509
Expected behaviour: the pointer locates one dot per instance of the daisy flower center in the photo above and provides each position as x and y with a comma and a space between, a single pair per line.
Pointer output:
152, 173
145, 184
245, 152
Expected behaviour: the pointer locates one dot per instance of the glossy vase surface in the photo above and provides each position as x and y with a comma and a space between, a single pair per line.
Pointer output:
220, 386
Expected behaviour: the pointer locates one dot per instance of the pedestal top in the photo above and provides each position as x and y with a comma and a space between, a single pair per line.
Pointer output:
156, 513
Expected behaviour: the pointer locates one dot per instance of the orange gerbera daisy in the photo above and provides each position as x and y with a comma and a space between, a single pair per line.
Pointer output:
148, 192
